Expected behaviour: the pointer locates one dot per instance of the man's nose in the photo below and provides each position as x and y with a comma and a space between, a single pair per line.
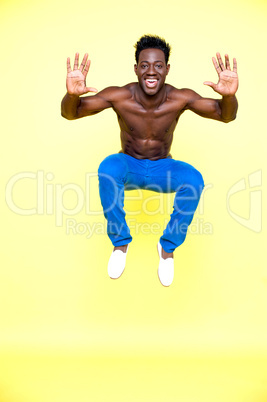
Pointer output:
151, 70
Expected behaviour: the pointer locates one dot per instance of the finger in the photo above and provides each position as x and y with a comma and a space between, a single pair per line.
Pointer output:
220, 61
86, 68
90, 89
235, 66
209, 83
76, 61
217, 67
68, 65
227, 62
83, 62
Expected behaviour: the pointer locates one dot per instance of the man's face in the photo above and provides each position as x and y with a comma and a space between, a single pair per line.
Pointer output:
151, 70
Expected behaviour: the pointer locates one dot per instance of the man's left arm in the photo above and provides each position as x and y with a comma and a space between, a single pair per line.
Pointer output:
219, 109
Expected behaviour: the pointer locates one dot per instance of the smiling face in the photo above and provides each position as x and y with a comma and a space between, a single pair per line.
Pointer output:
151, 70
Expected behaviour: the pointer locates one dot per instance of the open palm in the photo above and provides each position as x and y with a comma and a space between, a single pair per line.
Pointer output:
228, 79
76, 78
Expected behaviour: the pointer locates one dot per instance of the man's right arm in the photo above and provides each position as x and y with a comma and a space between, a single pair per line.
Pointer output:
73, 106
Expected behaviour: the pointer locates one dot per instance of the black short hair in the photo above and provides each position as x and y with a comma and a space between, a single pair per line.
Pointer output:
152, 42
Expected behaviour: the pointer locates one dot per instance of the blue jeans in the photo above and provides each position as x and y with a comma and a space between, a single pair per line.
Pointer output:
121, 172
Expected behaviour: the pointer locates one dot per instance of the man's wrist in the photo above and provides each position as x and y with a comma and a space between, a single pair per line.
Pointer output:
73, 96
229, 96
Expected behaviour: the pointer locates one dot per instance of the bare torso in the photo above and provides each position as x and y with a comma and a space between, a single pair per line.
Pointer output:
148, 110
147, 133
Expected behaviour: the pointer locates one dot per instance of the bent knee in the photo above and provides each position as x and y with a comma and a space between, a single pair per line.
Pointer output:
196, 181
112, 165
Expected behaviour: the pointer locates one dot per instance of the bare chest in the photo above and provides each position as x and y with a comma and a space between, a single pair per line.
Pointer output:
147, 124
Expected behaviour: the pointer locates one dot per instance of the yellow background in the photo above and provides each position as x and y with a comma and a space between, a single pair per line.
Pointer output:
67, 332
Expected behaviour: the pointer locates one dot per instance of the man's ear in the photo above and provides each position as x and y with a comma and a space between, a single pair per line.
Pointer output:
135, 69
168, 68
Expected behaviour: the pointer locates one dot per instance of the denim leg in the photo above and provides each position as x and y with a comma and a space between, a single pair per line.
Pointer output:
112, 174
120, 171
188, 191
167, 176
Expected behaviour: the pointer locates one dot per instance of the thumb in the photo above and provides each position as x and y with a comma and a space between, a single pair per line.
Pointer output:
89, 89
210, 84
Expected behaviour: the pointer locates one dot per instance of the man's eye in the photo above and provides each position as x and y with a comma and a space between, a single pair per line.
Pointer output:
159, 65
144, 66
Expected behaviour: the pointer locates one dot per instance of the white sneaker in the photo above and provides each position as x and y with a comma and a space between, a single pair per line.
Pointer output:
117, 262
165, 269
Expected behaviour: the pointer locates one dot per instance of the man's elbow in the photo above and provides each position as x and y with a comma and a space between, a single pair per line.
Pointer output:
66, 116
228, 120
63, 115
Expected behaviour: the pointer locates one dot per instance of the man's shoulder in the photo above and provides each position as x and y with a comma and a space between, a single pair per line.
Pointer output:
183, 96
180, 93
116, 93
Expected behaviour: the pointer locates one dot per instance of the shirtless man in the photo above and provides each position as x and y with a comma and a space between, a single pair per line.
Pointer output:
148, 112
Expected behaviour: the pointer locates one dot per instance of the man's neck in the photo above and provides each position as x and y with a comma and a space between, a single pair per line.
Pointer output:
150, 102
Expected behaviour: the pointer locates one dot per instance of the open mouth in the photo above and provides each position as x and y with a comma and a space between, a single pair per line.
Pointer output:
151, 82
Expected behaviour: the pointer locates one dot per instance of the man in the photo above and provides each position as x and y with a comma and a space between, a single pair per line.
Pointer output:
148, 112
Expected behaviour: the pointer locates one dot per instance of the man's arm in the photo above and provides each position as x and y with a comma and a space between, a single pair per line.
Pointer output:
74, 107
219, 109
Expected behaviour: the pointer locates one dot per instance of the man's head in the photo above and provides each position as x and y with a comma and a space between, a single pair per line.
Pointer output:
152, 42
152, 54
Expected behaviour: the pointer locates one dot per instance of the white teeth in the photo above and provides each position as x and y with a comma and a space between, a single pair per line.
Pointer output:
151, 80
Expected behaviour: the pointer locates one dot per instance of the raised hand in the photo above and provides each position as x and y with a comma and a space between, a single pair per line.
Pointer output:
76, 78
228, 79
